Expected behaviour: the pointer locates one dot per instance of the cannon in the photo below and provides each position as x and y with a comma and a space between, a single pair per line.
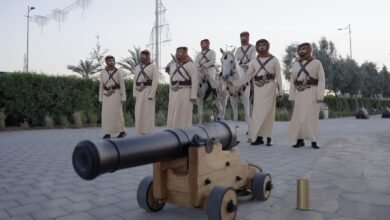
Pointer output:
195, 167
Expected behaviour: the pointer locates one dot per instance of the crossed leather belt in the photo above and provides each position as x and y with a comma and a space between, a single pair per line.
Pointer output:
268, 76
300, 86
177, 85
182, 83
263, 79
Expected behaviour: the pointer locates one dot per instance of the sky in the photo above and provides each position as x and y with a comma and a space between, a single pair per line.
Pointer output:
123, 24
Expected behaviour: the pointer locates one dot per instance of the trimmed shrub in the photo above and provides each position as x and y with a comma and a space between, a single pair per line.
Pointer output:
321, 115
207, 113
64, 122
28, 98
78, 119
128, 117
2, 119
282, 115
161, 118
92, 118
49, 123
24, 125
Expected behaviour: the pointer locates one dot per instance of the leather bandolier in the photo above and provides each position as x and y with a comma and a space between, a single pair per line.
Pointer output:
308, 81
267, 77
204, 57
111, 89
140, 86
176, 84
245, 55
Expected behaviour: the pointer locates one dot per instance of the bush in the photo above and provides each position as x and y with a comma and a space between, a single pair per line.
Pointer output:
33, 96
49, 123
28, 98
333, 114
64, 122
282, 115
229, 114
2, 119
207, 113
92, 118
346, 106
161, 118
24, 125
321, 115
129, 121
78, 119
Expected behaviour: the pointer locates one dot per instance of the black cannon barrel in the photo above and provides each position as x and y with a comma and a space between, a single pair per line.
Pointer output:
91, 159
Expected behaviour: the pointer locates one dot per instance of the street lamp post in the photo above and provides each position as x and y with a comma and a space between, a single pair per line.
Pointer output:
350, 39
29, 8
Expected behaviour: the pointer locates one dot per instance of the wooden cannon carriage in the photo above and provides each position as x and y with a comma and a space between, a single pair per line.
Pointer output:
201, 170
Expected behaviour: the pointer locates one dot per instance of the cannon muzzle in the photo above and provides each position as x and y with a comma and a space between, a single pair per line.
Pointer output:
91, 159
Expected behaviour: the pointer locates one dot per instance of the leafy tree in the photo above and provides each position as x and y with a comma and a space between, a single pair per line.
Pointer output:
346, 75
288, 60
85, 68
326, 53
97, 53
369, 77
132, 61
384, 78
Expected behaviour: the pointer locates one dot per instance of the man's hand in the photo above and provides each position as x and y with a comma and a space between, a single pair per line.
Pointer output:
244, 66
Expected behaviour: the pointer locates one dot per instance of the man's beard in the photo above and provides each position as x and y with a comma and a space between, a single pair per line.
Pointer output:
244, 41
111, 66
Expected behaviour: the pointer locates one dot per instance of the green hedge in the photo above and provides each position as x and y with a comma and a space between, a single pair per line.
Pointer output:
34, 97
350, 105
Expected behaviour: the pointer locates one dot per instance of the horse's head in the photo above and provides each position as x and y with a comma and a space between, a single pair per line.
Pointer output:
228, 63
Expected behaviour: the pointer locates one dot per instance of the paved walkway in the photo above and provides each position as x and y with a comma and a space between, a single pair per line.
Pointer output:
349, 176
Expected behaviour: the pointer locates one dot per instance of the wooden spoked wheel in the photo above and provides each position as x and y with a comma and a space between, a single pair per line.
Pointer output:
222, 204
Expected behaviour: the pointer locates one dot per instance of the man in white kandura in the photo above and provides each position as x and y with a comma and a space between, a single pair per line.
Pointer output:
265, 72
244, 54
183, 91
112, 94
144, 91
205, 62
307, 90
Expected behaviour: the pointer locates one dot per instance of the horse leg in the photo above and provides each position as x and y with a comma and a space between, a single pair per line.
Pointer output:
247, 105
222, 106
234, 103
200, 110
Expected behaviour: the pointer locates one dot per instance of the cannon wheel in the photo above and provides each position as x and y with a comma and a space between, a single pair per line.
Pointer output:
261, 186
222, 204
145, 196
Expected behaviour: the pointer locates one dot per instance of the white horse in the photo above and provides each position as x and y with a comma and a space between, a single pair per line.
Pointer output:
231, 70
204, 93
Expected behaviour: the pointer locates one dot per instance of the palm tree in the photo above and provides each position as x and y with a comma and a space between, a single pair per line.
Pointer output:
85, 68
132, 61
